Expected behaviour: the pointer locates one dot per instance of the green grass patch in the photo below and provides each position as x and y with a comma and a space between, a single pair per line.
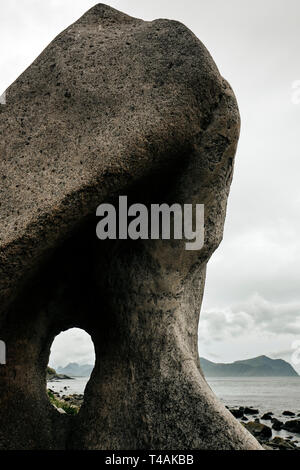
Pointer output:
69, 409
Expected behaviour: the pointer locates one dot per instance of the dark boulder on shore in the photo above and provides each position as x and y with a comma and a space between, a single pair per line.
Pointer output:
288, 413
292, 426
250, 411
237, 412
276, 424
267, 416
259, 430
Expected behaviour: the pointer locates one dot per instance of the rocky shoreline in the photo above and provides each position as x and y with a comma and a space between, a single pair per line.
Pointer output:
266, 427
65, 404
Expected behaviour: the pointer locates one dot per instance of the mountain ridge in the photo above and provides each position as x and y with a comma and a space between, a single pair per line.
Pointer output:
76, 370
260, 366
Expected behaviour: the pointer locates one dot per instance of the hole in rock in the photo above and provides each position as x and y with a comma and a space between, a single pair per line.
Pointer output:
71, 361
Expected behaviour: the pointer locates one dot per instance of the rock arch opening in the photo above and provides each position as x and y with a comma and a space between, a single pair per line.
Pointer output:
71, 362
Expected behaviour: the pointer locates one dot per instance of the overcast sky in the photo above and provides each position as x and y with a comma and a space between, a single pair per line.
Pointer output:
252, 297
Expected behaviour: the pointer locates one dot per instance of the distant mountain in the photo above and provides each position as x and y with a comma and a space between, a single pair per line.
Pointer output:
261, 366
75, 370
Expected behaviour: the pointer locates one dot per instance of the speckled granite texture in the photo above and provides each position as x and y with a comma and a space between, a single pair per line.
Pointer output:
114, 105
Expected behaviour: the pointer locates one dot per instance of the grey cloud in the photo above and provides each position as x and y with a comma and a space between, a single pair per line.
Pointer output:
256, 315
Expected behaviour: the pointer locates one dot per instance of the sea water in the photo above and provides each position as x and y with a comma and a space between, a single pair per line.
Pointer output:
275, 394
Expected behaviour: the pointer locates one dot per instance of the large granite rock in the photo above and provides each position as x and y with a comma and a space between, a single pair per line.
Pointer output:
113, 106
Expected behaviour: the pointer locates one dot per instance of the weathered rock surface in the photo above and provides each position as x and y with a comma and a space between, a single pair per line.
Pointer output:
113, 106
258, 430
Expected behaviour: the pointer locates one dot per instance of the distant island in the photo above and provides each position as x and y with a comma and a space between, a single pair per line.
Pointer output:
76, 370
261, 366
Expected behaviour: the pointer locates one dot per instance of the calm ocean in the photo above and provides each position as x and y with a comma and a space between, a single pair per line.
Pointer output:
265, 393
